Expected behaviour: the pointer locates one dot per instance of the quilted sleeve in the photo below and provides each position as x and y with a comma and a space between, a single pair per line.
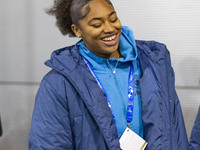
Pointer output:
179, 135
50, 127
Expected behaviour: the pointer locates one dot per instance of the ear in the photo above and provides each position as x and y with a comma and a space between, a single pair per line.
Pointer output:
76, 30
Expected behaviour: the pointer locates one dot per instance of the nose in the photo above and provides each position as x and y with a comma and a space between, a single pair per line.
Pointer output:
108, 28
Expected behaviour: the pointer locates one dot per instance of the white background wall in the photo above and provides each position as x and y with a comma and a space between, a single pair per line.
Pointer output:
28, 36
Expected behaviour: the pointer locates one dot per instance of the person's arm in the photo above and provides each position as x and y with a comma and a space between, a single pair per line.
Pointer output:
50, 127
179, 135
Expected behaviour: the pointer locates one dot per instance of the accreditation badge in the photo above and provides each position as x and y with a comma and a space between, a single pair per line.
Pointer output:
131, 141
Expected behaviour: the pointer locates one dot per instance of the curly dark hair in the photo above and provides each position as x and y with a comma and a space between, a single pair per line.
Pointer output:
68, 12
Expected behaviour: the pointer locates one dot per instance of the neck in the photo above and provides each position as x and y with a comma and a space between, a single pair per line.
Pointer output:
115, 55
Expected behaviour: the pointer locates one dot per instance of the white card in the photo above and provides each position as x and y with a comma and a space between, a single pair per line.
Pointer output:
131, 141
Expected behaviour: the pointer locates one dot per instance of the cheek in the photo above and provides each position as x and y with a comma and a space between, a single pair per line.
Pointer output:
119, 25
91, 34
95, 33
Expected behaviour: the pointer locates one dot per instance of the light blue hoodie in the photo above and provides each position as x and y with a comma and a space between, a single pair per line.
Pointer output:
116, 85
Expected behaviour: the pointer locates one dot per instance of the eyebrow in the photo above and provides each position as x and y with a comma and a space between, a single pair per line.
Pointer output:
114, 12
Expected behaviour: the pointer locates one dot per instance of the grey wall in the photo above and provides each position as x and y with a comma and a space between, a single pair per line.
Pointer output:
28, 36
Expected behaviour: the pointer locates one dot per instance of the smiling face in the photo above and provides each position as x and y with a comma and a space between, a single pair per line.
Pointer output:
100, 29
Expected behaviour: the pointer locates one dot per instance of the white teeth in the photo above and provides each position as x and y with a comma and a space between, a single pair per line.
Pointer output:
110, 38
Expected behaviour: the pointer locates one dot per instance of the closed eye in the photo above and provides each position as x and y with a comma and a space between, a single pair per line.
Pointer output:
114, 20
96, 25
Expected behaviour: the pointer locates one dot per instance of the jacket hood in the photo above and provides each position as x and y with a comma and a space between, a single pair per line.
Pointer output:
64, 59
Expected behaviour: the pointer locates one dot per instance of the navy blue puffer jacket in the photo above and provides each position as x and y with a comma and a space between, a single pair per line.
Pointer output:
71, 111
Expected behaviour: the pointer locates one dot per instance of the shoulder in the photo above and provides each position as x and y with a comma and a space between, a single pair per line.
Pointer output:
152, 49
54, 78
154, 54
69, 51
57, 84
152, 45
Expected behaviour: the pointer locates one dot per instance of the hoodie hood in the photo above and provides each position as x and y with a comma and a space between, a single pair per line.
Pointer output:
127, 44
127, 48
68, 58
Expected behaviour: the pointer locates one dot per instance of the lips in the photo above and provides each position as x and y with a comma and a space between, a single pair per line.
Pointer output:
111, 40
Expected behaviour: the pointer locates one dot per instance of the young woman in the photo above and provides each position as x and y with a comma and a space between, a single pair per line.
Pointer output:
103, 84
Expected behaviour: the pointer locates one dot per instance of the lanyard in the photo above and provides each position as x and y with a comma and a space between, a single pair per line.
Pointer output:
130, 92
129, 116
